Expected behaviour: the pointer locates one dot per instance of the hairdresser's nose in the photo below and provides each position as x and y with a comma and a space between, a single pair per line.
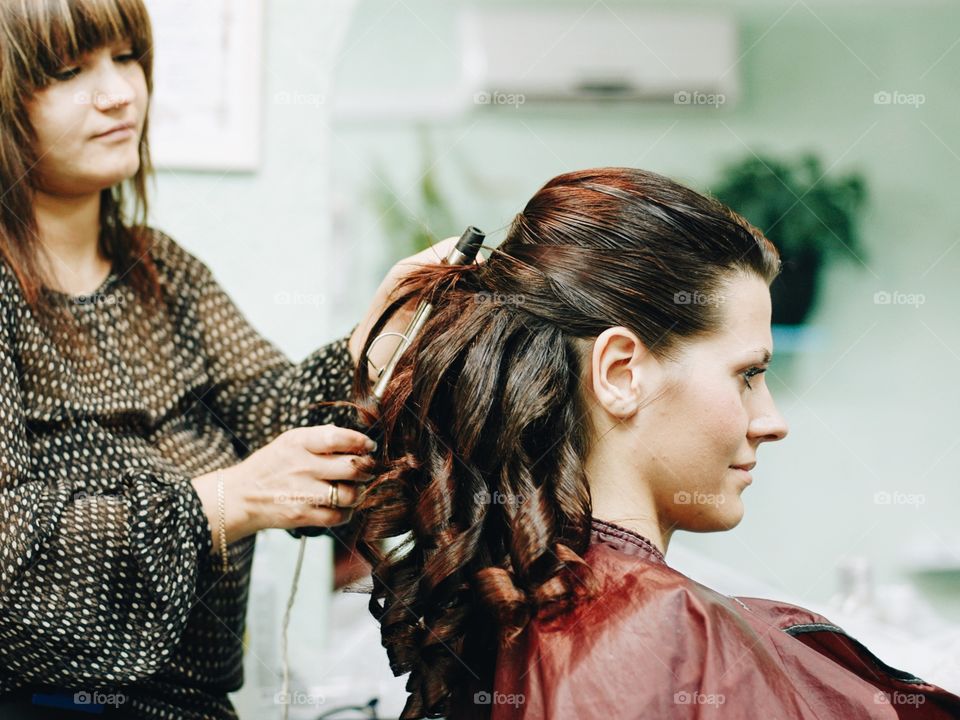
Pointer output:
767, 424
113, 89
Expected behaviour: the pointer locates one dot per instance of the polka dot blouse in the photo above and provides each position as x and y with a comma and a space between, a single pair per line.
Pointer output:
107, 580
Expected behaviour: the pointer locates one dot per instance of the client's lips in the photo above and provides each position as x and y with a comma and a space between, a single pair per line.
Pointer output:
745, 469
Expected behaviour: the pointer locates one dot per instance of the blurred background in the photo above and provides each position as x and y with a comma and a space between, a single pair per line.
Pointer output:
369, 127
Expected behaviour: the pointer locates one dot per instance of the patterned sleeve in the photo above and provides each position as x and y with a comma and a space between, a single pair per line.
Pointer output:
93, 590
256, 392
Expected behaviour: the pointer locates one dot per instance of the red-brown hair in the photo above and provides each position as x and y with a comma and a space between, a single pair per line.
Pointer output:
484, 427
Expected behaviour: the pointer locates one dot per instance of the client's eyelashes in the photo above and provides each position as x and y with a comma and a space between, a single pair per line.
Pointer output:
752, 372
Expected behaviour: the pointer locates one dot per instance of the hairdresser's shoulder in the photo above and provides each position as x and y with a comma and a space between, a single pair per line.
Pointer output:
11, 294
174, 263
7, 278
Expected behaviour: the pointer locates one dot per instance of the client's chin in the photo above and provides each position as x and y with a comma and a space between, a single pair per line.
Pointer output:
724, 513
730, 513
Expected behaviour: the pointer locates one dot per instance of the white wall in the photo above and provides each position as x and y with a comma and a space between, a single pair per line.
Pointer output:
267, 236
874, 409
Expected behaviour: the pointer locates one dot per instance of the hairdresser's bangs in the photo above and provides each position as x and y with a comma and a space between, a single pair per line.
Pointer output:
64, 30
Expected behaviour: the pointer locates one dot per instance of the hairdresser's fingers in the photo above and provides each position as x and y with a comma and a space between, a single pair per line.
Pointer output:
344, 495
323, 516
346, 468
321, 493
326, 439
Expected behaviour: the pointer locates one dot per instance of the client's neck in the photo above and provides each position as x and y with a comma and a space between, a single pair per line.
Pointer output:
619, 497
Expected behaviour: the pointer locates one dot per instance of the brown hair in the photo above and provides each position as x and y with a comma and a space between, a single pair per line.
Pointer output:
37, 38
484, 438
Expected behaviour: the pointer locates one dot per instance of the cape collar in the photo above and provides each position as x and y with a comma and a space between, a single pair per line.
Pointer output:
624, 540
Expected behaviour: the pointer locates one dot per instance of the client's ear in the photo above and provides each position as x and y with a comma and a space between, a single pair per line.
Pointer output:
622, 369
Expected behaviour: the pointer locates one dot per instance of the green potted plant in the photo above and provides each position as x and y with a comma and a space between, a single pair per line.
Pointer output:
810, 217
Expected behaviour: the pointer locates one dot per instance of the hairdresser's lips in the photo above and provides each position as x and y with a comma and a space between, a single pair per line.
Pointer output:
744, 471
123, 131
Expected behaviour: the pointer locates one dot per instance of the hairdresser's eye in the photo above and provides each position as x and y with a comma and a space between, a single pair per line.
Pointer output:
752, 372
67, 73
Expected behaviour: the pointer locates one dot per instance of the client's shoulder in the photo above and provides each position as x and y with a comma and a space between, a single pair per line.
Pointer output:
640, 589
638, 586
645, 631
638, 602
633, 576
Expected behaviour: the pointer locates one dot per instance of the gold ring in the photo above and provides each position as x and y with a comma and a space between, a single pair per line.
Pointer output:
334, 500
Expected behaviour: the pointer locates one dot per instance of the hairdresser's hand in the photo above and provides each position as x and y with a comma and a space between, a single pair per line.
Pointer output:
380, 353
287, 483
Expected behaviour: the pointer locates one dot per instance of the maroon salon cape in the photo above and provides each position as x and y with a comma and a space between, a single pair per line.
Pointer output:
655, 644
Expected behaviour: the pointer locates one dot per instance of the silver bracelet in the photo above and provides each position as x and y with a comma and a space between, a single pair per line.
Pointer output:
224, 558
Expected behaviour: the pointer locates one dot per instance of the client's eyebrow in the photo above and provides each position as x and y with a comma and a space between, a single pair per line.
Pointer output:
767, 355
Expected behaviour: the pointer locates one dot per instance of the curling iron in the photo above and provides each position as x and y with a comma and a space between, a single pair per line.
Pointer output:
463, 253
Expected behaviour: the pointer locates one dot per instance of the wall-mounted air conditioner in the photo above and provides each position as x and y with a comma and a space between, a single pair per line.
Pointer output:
513, 55
601, 51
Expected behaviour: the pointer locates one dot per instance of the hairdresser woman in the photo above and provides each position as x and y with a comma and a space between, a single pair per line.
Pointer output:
147, 432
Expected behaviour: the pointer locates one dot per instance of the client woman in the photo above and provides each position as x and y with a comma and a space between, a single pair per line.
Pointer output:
592, 388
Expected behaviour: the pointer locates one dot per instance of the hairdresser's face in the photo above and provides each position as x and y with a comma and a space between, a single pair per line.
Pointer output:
88, 122
711, 413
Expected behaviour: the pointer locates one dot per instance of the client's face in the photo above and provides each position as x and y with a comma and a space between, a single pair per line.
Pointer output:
672, 431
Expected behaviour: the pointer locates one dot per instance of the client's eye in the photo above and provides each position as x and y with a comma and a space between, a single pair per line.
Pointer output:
752, 372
